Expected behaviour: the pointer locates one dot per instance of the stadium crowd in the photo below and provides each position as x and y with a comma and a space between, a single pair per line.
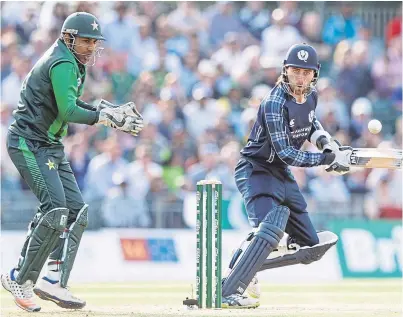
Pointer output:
197, 73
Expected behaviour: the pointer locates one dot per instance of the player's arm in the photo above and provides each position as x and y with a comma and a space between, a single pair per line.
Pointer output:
322, 139
318, 136
64, 82
324, 142
280, 137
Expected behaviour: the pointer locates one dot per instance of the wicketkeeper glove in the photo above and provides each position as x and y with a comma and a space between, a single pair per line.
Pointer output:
125, 117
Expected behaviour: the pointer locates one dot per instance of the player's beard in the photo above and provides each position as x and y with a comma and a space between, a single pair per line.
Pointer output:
300, 88
87, 59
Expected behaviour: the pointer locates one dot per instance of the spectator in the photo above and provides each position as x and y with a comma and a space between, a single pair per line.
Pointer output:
255, 18
187, 19
311, 28
120, 209
361, 113
375, 46
140, 175
229, 156
222, 22
279, 37
121, 30
292, 13
183, 145
353, 78
173, 171
28, 24
188, 73
79, 160
143, 55
98, 180
194, 95
270, 70
330, 190
202, 107
120, 78
160, 145
394, 27
341, 25
385, 199
230, 54
208, 166
39, 42
10, 87
329, 102
52, 15
387, 70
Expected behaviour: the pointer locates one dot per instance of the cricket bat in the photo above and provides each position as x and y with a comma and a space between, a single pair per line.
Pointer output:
376, 158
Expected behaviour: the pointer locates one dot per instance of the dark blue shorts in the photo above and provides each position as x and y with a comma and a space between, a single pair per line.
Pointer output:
263, 189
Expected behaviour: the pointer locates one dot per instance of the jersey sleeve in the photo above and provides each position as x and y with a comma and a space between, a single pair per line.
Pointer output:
280, 135
84, 105
315, 126
64, 82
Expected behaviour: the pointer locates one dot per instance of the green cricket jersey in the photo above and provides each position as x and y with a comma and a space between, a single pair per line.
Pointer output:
49, 97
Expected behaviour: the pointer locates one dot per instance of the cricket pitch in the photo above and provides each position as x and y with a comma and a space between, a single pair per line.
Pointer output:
348, 298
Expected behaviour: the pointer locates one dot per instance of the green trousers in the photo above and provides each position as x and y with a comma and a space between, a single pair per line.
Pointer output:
48, 174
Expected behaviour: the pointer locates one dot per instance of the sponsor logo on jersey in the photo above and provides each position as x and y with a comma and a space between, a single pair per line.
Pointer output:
292, 122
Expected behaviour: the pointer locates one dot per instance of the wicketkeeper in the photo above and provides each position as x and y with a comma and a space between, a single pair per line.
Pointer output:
49, 100
274, 203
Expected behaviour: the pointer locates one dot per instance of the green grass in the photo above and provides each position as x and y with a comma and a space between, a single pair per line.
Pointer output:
349, 298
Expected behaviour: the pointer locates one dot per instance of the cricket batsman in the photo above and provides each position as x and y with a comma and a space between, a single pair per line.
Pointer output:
274, 203
49, 100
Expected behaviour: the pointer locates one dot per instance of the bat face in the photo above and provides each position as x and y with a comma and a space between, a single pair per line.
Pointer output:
376, 158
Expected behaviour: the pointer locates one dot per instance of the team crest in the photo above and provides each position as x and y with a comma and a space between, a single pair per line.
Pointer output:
94, 26
79, 82
303, 55
311, 116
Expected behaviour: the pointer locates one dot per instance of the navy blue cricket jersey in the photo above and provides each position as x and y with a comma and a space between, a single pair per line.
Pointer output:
281, 127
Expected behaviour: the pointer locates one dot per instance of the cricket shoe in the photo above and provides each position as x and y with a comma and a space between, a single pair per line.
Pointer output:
23, 294
253, 289
237, 301
52, 291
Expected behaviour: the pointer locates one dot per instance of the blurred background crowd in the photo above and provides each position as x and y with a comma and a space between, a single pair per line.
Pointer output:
197, 71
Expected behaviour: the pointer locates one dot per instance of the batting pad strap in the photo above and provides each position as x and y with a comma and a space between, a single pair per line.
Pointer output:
42, 240
72, 243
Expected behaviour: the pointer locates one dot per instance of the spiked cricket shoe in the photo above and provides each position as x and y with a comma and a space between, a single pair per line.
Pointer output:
23, 294
236, 301
61, 296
